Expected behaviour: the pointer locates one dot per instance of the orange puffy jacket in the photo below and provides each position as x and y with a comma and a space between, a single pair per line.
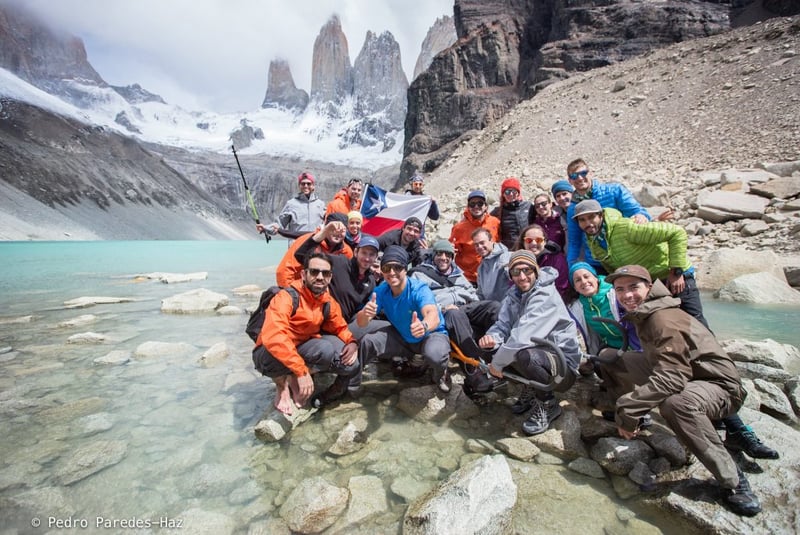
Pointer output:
461, 238
341, 204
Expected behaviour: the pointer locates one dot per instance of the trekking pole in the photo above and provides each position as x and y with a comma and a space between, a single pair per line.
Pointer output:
622, 331
248, 195
459, 355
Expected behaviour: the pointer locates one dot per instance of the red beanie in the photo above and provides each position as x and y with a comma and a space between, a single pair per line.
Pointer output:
306, 176
511, 182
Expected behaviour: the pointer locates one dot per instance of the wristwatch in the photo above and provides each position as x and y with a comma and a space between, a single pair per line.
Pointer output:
677, 271
425, 324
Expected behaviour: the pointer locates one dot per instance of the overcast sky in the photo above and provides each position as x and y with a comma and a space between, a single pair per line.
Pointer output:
215, 54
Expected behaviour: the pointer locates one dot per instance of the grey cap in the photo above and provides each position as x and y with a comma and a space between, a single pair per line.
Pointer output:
589, 206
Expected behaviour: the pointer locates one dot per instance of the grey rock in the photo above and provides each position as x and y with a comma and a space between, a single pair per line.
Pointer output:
409, 488
367, 500
724, 265
351, 439
587, 467
753, 399
96, 423
114, 358
214, 355
480, 446
781, 188
667, 446
274, 425
518, 448
762, 288
750, 370
314, 505
440, 36
83, 302
87, 338
720, 206
201, 522
774, 401
619, 456
477, 498
782, 169
152, 349
90, 459
79, 321
563, 438
660, 465
792, 388
331, 73
195, 301
753, 228
425, 404
641, 474
767, 352
748, 176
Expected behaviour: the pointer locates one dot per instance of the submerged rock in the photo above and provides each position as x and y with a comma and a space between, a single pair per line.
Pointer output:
194, 302
91, 459
83, 302
477, 498
314, 505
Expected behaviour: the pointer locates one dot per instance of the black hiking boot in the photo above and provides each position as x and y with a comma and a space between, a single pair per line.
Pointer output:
742, 500
405, 370
746, 440
444, 383
524, 401
542, 414
337, 390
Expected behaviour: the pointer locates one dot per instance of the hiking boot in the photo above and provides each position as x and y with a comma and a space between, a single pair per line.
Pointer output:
405, 370
747, 441
444, 383
336, 391
543, 413
742, 500
524, 401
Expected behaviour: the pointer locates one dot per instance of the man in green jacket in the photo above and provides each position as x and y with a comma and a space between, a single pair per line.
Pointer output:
616, 241
685, 374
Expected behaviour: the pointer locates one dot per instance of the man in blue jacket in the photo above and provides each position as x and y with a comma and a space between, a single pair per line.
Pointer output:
610, 195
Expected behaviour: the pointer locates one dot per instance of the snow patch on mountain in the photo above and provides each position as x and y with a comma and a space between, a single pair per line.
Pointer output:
316, 134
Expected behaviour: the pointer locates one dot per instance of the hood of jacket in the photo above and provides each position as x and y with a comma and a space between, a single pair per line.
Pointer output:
306, 199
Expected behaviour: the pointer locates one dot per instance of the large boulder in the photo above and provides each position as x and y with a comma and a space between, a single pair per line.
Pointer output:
477, 498
762, 288
194, 302
767, 352
314, 505
723, 265
720, 206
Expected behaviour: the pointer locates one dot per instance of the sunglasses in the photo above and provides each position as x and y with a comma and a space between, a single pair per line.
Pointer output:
397, 268
477, 204
537, 239
304, 184
542, 204
326, 273
510, 191
582, 174
527, 271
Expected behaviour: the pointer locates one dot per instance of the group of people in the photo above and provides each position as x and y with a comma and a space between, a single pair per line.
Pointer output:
582, 269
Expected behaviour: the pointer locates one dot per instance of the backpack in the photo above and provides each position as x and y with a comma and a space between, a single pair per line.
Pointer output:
256, 320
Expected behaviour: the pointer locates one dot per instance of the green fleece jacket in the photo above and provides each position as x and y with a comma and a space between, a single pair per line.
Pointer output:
655, 246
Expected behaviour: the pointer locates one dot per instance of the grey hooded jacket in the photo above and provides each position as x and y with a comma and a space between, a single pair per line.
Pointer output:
302, 213
456, 291
539, 312
493, 281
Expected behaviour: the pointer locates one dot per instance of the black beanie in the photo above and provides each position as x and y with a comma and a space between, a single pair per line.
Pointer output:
394, 254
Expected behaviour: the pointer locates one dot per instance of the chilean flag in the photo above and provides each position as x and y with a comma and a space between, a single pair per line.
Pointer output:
384, 211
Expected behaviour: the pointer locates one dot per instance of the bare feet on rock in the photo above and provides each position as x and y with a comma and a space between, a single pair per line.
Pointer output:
283, 395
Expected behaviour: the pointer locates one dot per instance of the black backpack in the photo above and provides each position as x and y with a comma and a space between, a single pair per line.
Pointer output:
256, 321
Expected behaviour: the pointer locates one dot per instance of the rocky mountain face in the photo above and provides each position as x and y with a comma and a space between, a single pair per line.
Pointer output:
281, 91
440, 36
54, 61
379, 83
331, 72
508, 50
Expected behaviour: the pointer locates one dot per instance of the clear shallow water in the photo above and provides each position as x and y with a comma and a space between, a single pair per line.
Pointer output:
182, 434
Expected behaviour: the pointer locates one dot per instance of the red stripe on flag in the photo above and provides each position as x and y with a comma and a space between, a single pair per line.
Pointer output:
378, 225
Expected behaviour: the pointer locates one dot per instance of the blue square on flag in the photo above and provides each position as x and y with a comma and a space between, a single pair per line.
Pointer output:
384, 211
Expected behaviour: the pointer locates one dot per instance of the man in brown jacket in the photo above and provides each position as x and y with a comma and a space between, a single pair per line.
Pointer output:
685, 374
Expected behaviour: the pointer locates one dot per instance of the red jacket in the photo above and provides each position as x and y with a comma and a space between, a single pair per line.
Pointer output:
289, 268
461, 238
282, 332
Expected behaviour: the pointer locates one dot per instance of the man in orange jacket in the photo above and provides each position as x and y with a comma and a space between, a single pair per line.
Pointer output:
475, 216
347, 199
292, 346
289, 267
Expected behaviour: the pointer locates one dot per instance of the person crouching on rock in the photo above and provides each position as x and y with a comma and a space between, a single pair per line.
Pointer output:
685, 373
292, 345
533, 308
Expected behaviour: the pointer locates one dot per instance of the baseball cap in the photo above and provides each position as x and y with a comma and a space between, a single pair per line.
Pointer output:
368, 241
589, 206
630, 271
